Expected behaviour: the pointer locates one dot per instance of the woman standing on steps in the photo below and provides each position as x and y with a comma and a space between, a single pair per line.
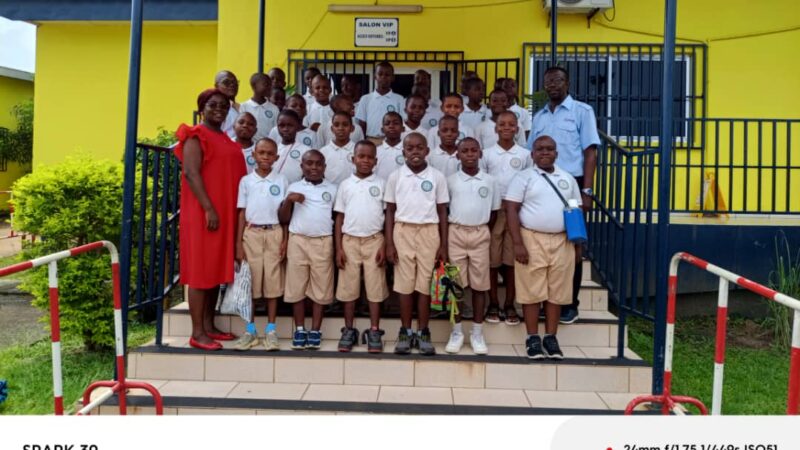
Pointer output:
212, 167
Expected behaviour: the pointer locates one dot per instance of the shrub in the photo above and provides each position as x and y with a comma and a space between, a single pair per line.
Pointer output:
17, 145
69, 204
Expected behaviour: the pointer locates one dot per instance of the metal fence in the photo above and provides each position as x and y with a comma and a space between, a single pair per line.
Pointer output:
152, 270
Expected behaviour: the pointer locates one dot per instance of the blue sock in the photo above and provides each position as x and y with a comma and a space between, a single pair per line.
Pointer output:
270, 327
251, 328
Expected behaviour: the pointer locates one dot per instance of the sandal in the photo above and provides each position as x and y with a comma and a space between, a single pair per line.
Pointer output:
493, 314
511, 315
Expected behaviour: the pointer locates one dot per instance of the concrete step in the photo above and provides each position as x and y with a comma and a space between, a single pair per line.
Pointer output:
593, 329
584, 369
253, 398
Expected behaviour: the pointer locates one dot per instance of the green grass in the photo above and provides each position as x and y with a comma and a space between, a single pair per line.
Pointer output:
28, 370
756, 373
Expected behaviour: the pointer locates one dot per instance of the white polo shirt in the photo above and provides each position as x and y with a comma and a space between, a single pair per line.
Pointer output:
288, 163
361, 202
325, 134
464, 131
390, 158
503, 164
313, 217
309, 98
472, 118
523, 116
416, 194
266, 115
249, 158
421, 129
230, 121
432, 114
338, 161
320, 113
472, 199
541, 208
486, 134
261, 197
444, 162
306, 136
373, 106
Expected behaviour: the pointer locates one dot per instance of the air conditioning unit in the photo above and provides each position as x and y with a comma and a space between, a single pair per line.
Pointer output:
579, 6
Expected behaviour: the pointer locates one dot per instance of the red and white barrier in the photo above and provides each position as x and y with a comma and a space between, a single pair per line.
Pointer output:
668, 401
120, 386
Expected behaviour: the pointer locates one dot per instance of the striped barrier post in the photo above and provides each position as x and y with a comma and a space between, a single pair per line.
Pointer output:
120, 386
669, 401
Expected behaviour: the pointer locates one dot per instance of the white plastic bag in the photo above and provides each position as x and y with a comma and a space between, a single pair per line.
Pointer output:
239, 296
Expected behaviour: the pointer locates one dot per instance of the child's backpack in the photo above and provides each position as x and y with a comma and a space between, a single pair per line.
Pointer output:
446, 289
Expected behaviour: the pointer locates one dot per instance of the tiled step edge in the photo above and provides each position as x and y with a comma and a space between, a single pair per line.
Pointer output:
489, 359
359, 407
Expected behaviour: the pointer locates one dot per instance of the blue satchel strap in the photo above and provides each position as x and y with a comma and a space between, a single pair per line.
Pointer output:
563, 200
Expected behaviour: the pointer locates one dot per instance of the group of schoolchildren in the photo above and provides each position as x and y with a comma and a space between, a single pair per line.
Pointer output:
338, 182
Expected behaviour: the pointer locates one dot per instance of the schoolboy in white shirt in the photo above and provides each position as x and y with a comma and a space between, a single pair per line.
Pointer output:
486, 132
261, 240
260, 107
451, 105
544, 258
244, 129
290, 152
308, 210
339, 103
390, 152
358, 234
308, 78
523, 116
304, 135
339, 153
503, 161
320, 111
416, 237
444, 157
475, 111
372, 107
474, 201
415, 110
434, 110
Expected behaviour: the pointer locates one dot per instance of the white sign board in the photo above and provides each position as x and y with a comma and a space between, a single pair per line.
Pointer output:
377, 32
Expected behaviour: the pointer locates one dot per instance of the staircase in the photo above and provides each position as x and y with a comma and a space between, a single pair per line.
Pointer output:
590, 379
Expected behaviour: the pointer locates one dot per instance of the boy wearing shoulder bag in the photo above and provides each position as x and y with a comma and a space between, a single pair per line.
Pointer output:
544, 257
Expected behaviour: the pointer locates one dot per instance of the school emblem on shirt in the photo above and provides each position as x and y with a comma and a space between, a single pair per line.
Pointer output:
268, 114
483, 191
374, 191
307, 141
326, 196
516, 163
390, 108
516, 114
294, 154
563, 184
427, 186
432, 122
274, 190
250, 160
400, 160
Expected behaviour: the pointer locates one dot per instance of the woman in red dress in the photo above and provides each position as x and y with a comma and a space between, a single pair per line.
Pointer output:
212, 167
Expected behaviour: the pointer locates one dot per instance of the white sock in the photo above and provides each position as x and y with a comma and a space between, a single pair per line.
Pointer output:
457, 328
477, 328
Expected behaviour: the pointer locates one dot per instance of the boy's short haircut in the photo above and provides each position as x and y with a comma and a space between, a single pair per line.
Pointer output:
312, 69
298, 97
498, 83
455, 96
341, 114
470, 139
362, 143
413, 134
258, 76
351, 77
278, 70
448, 118
417, 96
498, 91
552, 69
509, 113
392, 114
221, 75
246, 114
268, 141
336, 100
322, 77
415, 89
292, 114
312, 152
385, 65
469, 83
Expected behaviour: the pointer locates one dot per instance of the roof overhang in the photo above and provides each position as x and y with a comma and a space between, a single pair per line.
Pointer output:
107, 10
17, 74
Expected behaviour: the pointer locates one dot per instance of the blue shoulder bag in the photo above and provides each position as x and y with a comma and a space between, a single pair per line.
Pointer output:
573, 218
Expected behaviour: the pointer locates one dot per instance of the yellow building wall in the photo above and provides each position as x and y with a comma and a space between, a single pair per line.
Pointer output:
82, 83
12, 92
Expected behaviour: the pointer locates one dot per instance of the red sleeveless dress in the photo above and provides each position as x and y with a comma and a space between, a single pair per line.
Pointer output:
206, 257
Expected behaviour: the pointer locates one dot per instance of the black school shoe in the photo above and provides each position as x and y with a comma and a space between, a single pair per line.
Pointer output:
533, 346
348, 340
373, 339
424, 344
551, 348
404, 342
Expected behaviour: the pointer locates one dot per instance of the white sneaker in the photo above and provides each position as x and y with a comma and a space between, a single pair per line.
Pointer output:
455, 342
478, 344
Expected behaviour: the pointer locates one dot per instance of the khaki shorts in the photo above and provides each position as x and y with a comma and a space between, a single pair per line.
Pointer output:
262, 250
502, 248
309, 269
416, 246
468, 248
360, 252
548, 274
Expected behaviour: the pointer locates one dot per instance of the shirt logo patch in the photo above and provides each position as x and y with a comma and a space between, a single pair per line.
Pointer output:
274, 189
483, 191
268, 114
563, 184
250, 160
307, 141
374, 191
294, 154
390, 108
427, 186
400, 160
432, 122
326, 196
515, 163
